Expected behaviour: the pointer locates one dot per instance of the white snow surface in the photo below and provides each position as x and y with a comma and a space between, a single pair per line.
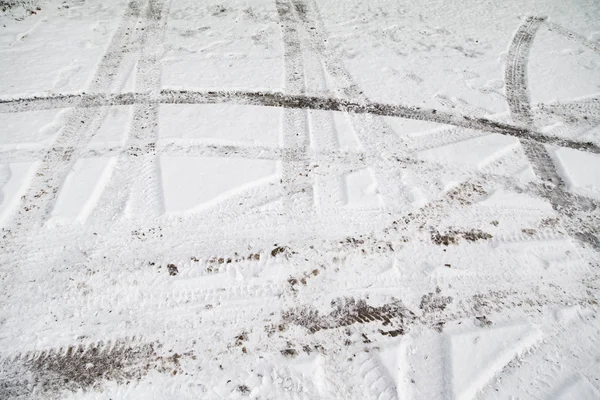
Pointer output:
300, 199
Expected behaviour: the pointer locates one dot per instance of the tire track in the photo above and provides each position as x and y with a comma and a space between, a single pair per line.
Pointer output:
308, 14
202, 150
177, 297
296, 178
83, 100
515, 73
553, 186
435, 310
577, 38
321, 124
186, 301
274, 99
186, 298
373, 133
554, 189
80, 127
146, 198
135, 184
586, 111
52, 373
443, 137
185, 309
542, 164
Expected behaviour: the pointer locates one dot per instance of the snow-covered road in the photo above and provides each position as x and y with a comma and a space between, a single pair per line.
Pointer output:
303, 199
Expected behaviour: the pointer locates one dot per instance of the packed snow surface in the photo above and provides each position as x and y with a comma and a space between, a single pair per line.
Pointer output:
300, 199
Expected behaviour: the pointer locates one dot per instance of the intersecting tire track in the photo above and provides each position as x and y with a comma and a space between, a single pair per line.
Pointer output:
297, 181
178, 299
78, 130
146, 194
135, 181
535, 151
542, 164
565, 203
372, 132
273, 99
192, 303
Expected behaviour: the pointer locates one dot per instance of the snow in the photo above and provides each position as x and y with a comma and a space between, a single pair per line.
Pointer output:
113, 130
77, 34
299, 199
579, 388
29, 130
361, 189
192, 182
504, 199
476, 152
81, 190
211, 43
580, 171
489, 351
13, 179
334, 131
220, 124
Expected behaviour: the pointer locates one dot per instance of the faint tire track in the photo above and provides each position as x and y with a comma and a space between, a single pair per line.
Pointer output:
583, 111
146, 191
296, 179
577, 38
380, 135
146, 197
136, 184
571, 355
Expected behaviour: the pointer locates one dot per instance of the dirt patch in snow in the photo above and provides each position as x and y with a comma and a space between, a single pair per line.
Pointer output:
173, 270
285, 251
348, 311
434, 302
20, 9
453, 236
244, 390
232, 259
215, 264
294, 282
482, 322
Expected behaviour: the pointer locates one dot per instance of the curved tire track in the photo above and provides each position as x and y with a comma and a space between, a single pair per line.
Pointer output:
274, 99
553, 188
515, 73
